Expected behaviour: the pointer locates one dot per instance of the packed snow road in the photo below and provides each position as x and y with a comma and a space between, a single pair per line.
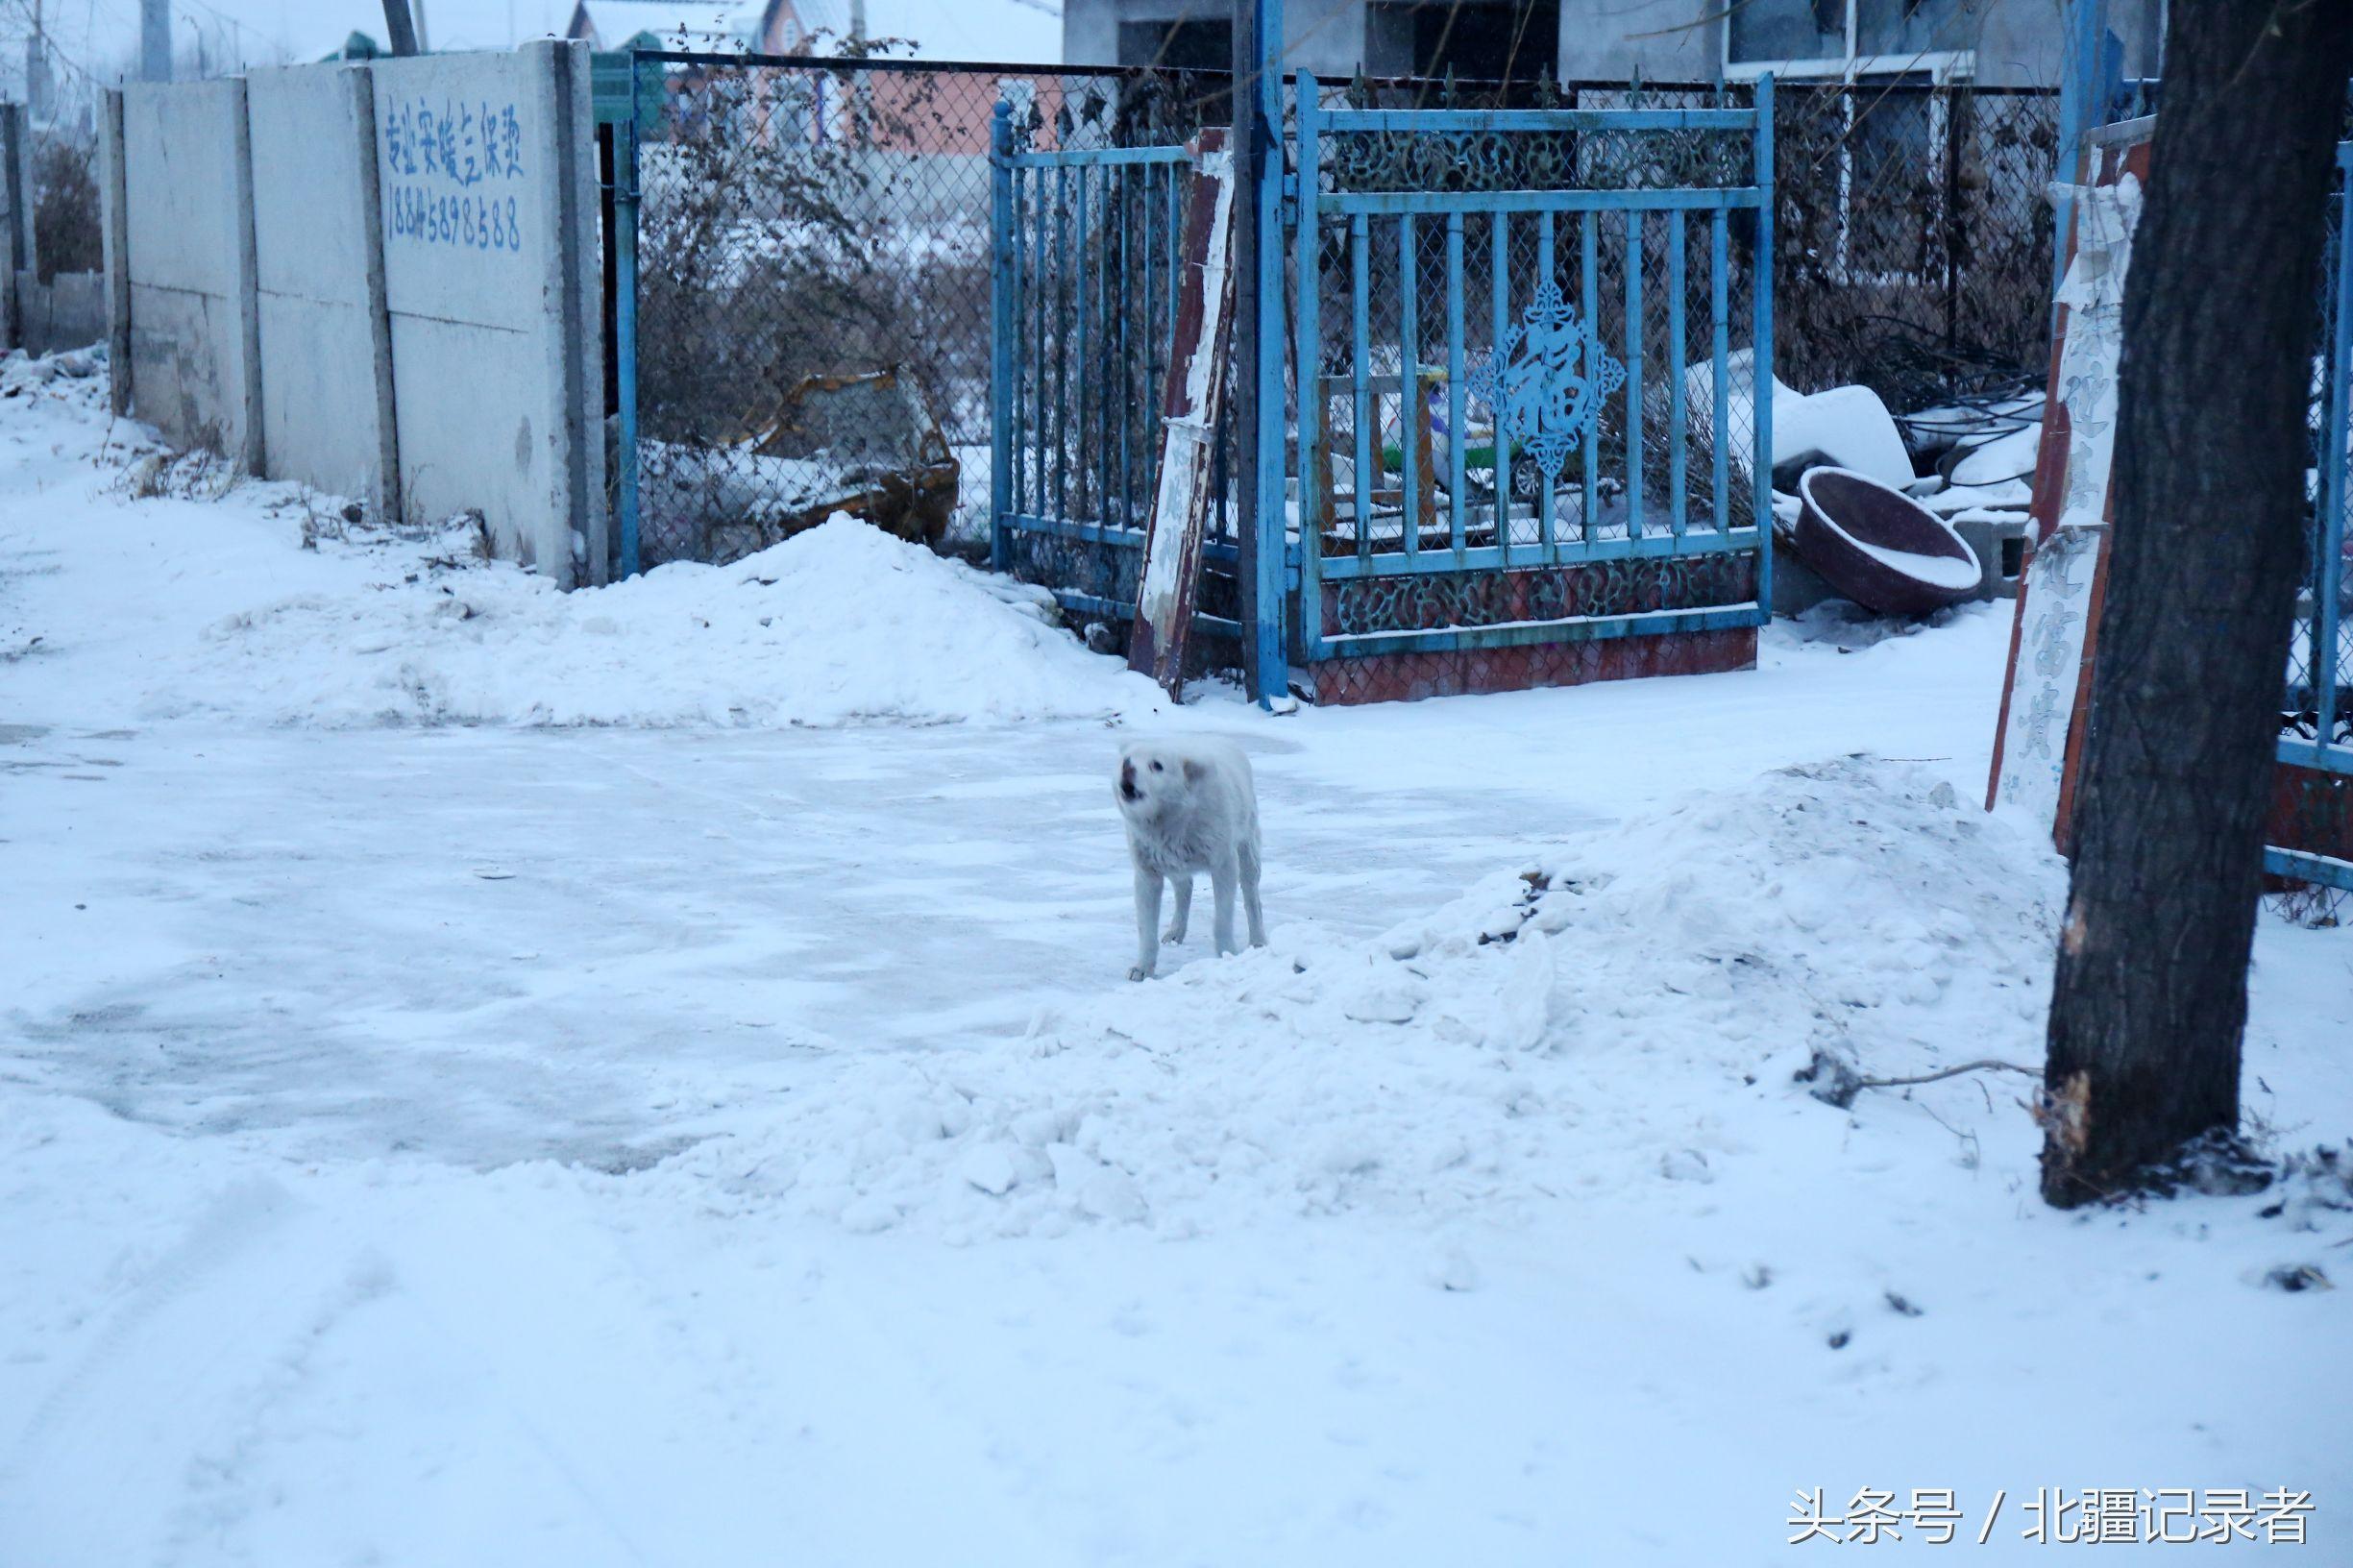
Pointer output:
647, 1077
514, 944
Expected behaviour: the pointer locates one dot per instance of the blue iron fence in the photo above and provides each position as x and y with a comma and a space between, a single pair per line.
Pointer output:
1087, 273
1615, 483
2315, 806
1540, 417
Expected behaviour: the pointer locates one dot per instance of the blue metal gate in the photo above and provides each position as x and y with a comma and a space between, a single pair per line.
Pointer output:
1085, 300
2314, 808
1508, 439
1540, 419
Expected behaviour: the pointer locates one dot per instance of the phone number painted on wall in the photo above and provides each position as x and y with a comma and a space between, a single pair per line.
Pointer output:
480, 223
449, 165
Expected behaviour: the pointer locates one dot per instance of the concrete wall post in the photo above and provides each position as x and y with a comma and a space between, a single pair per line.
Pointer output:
253, 453
360, 85
114, 208
16, 215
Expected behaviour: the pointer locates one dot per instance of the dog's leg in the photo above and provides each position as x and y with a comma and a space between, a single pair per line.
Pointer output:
1248, 855
1148, 923
1221, 888
1183, 886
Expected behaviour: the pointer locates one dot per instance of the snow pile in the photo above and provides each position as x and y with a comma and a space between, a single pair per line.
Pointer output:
838, 625
1549, 1031
161, 586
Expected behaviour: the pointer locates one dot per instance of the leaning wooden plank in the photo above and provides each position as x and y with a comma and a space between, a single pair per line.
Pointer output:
1189, 405
2047, 690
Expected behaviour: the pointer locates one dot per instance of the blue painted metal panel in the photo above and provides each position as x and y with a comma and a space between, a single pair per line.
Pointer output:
1633, 375
1590, 274
1676, 283
1499, 316
1386, 201
1409, 385
1360, 265
2328, 759
1719, 341
1522, 633
1102, 157
2301, 866
1457, 437
1465, 122
1483, 557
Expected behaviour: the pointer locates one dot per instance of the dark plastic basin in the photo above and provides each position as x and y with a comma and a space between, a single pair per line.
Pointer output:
1879, 546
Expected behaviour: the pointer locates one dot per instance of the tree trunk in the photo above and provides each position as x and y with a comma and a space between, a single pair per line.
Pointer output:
2221, 310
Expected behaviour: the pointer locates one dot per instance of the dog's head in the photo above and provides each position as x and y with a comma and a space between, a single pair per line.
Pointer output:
1153, 778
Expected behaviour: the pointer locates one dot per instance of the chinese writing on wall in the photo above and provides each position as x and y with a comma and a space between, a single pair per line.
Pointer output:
453, 170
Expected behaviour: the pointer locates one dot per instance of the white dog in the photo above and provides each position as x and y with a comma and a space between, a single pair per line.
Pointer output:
1189, 806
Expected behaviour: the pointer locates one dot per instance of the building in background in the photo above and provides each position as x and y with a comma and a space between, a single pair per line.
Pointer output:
1990, 42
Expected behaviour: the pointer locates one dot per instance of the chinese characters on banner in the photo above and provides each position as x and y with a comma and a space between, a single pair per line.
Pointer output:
454, 174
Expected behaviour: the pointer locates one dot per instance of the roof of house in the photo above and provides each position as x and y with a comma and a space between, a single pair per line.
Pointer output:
1017, 32
695, 24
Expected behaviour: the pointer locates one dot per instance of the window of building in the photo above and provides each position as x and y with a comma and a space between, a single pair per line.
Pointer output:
1187, 45
1850, 37
1478, 40
1893, 126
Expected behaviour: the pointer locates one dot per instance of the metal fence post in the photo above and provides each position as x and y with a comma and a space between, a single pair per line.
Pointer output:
625, 327
2079, 88
2328, 536
1258, 342
1762, 398
1000, 331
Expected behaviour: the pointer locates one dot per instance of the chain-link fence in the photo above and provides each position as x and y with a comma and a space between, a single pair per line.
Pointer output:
808, 225
811, 226
67, 225
1912, 250
2312, 806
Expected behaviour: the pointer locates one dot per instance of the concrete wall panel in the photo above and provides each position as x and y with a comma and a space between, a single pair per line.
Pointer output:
195, 370
488, 214
326, 371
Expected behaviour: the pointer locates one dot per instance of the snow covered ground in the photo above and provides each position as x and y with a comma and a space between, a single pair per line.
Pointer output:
647, 1077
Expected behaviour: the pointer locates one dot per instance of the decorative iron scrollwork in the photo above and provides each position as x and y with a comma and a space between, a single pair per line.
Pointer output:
1599, 590
1545, 378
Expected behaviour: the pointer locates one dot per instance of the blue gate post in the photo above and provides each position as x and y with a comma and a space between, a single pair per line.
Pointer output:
1258, 116
624, 323
2328, 536
1761, 397
1307, 353
2081, 92
1000, 332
